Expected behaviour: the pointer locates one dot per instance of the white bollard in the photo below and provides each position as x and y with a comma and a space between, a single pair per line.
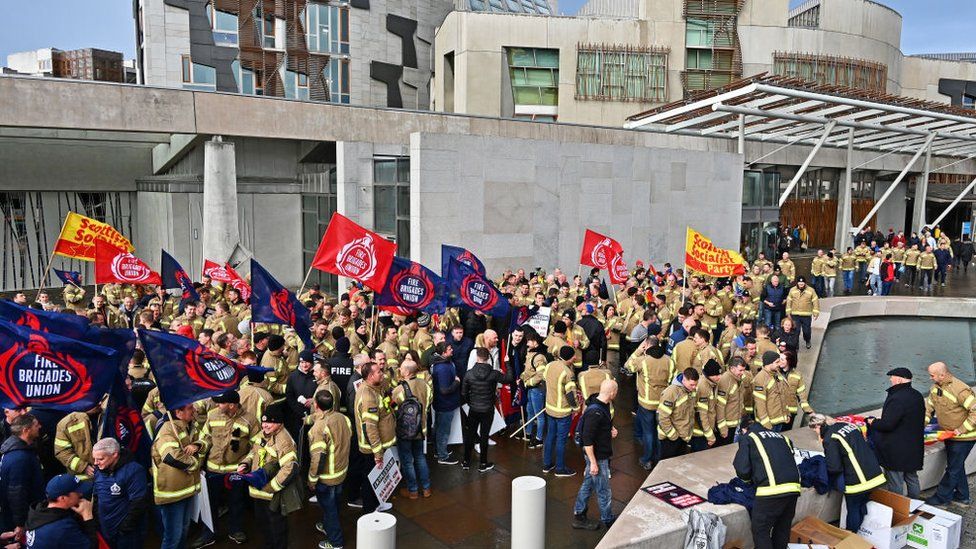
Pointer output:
528, 513
376, 531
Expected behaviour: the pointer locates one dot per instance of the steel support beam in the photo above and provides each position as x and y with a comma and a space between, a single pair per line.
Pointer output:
921, 195
844, 202
806, 163
967, 190
894, 184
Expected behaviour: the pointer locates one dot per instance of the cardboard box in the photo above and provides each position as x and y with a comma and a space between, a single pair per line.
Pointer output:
935, 529
888, 520
815, 532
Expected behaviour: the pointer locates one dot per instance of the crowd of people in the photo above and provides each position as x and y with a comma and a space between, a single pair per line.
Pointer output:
706, 356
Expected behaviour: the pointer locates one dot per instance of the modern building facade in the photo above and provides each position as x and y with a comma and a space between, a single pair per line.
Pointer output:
619, 57
363, 52
81, 64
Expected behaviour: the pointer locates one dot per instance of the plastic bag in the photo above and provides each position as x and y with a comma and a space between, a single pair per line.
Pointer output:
705, 531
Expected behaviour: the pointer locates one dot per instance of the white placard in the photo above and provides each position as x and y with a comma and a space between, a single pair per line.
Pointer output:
384, 479
540, 321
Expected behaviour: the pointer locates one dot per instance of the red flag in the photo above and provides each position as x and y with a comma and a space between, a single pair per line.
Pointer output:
117, 265
238, 283
598, 250
619, 273
354, 252
216, 272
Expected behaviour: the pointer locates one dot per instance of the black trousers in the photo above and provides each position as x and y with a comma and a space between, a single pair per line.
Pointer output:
274, 525
673, 448
771, 521
477, 424
804, 323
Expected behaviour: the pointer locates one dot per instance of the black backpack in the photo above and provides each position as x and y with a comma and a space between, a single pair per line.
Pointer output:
590, 409
409, 416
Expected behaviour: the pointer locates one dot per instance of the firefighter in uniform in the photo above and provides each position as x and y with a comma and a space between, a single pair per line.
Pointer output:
848, 452
765, 460
532, 377
803, 306
74, 297
729, 401
654, 373
390, 348
676, 414
787, 268
226, 437
275, 359
797, 395
73, 439
769, 393
954, 405
590, 380
271, 468
329, 449
176, 474
411, 452
375, 426
703, 433
704, 350
561, 401
422, 339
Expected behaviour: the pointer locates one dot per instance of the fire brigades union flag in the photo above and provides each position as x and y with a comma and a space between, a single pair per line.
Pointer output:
63, 324
473, 291
412, 286
174, 276
45, 369
461, 254
186, 371
273, 303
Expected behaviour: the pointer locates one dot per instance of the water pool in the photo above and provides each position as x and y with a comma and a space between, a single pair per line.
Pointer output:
857, 352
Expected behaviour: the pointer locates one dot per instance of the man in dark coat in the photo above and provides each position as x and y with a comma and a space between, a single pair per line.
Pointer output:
901, 426
593, 328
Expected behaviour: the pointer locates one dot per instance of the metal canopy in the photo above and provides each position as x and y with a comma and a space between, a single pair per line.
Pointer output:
785, 110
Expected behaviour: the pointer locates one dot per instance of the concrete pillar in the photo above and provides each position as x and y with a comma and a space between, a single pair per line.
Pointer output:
921, 194
220, 230
376, 531
528, 513
842, 229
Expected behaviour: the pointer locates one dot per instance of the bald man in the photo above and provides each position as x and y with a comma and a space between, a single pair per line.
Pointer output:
489, 340
596, 433
954, 405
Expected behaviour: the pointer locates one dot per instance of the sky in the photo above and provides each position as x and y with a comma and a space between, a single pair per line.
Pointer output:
929, 25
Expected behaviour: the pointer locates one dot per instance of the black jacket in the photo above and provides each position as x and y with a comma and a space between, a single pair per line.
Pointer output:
596, 428
299, 384
21, 481
751, 467
844, 444
594, 331
49, 527
792, 338
902, 425
966, 251
480, 387
341, 370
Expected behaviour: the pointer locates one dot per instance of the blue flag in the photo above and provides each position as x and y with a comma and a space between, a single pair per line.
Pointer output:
464, 256
68, 325
472, 290
123, 422
174, 276
69, 277
412, 286
274, 304
186, 371
50, 371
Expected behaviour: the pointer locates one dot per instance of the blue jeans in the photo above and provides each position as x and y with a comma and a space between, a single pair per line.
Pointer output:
328, 497
536, 403
556, 440
176, 523
600, 483
875, 283
857, 508
647, 419
848, 281
886, 288
414, 465
772, 318
953, 485
818, 285
442, 432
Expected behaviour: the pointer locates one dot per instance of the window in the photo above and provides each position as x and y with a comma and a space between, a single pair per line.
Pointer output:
699, 59
328, 28
224, 25
391, 199
185, 60
536, 7
624, 74
264, 27
202, 78
968, 102
317, 210
535, 80
244, 78
338, 79
699, 33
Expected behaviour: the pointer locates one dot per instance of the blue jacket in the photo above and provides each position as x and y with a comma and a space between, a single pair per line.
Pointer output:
942, 257
122, 495
459, 356
447, 390
21, 482
775, 295
53, 528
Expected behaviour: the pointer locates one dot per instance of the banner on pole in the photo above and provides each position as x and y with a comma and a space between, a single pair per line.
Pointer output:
708, 259
79, 234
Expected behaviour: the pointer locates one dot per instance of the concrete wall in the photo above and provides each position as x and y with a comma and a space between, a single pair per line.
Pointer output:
166, 37
920, 77
527, 202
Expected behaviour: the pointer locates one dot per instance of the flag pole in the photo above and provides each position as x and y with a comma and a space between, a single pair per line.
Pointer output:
307, 274
50, 261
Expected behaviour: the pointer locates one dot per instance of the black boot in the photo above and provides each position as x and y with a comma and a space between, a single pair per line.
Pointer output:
580, 522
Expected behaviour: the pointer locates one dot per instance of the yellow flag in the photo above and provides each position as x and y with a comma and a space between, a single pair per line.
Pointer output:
79, 234
706, 258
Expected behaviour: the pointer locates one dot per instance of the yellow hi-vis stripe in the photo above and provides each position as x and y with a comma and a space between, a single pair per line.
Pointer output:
773, 489
864, 483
